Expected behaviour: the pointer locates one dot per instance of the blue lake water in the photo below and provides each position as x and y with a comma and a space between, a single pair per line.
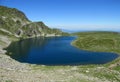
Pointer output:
55, 51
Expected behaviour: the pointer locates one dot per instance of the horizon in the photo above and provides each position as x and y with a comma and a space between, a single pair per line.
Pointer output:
75, 15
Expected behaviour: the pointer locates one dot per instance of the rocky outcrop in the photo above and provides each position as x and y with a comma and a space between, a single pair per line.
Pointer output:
17, 24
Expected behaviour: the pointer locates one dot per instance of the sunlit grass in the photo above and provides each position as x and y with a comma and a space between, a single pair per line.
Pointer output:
99, 41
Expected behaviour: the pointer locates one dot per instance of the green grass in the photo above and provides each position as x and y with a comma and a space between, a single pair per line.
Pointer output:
8, 81
96, 71
117, 68
98, 41
2, 43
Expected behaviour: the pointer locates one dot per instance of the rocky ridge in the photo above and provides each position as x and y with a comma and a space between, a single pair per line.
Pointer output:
14, 25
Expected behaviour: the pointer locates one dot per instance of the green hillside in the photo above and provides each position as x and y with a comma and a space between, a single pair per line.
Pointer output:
99, 42
14, 23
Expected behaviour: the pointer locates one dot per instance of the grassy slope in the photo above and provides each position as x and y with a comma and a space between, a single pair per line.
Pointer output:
38, 73
17, 24
99, 41
9, 70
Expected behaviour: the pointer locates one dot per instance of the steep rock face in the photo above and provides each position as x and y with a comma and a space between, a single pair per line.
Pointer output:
14, 22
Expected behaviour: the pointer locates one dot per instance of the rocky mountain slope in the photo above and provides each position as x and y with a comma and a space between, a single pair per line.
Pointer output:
14, 25
14, 22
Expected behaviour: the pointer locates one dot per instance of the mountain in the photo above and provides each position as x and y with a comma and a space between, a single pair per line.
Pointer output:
14, 23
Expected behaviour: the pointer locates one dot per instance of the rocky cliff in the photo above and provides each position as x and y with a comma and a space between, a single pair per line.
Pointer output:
14, 23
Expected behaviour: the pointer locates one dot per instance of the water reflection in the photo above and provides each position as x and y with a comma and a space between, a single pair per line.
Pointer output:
21, 49
55, 51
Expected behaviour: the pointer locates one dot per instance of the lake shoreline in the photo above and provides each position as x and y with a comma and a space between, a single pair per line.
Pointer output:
5, 57
3, 52
111, 64
15, 68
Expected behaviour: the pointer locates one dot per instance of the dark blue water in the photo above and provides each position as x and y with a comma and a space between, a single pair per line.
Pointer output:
55, 51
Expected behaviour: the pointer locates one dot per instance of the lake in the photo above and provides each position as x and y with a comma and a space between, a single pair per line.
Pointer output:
55, 51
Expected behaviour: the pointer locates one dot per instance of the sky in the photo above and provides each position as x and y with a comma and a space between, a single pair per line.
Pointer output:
79, 15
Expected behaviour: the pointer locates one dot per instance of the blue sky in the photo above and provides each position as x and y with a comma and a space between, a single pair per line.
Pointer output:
81, 15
